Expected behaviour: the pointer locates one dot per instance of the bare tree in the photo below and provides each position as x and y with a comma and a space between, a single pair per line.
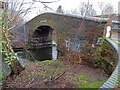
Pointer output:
46, 2
59, 9
106, 8
12, 11
86, 9
74, 12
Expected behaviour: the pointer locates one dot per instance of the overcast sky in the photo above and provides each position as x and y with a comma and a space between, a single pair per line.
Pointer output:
68, 5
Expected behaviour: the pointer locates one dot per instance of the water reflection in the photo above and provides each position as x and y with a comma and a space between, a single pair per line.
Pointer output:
41, 54
22, 57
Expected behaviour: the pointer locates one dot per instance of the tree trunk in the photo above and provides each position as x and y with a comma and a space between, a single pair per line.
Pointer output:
16, 67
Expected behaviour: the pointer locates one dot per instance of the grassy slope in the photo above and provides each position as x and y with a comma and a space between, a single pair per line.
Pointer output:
41, 72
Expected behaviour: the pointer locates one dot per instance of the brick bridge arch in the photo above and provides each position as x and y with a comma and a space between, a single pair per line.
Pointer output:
66, 26
41, 37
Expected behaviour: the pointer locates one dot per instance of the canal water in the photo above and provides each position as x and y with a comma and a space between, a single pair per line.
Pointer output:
41, 54
49, 53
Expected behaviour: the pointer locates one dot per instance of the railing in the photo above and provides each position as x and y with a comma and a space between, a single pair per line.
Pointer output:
113, 79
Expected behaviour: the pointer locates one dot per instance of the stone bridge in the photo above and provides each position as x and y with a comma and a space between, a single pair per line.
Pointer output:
41, 30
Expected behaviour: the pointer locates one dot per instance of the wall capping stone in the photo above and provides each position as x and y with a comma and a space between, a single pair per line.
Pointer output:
113, 79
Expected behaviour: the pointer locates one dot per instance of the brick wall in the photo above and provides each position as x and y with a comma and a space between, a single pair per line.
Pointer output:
68, 26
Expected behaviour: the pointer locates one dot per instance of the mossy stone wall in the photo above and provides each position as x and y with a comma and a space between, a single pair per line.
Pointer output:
110, 57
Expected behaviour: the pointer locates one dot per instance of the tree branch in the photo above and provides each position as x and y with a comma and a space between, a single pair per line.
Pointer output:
31, 81
45, 2
50, 81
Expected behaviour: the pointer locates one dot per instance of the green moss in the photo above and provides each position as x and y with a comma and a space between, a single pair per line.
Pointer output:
84, 79
47, 68
93, 85
118, 79
118, 82
80, 79
3, 76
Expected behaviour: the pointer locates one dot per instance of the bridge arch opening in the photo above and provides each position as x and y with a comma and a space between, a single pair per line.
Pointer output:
42, 43
43, 36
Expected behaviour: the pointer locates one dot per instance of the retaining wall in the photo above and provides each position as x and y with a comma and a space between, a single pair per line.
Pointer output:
113, 81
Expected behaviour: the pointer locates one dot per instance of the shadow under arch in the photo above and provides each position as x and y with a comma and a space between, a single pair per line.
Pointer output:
41, 43
43, 35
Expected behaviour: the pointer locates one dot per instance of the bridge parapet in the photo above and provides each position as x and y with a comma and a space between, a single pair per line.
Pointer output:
113, 80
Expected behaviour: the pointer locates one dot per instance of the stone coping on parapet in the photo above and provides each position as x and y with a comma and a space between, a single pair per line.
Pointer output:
96, 19
113, 79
